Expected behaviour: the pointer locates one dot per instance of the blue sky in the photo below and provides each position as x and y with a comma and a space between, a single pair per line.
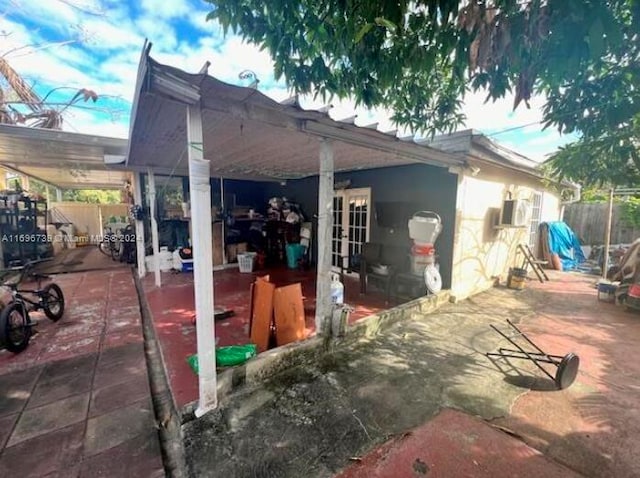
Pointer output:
96, 44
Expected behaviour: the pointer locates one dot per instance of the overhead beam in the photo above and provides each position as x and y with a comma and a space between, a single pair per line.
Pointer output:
376, 140
19, 171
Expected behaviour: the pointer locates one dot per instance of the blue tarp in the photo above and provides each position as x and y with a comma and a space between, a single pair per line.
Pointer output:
563, 241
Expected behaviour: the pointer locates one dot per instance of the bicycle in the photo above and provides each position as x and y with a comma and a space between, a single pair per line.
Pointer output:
15, 323
111, 245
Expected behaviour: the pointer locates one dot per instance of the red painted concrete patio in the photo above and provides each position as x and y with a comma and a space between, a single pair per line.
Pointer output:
172, 307
77, 402
594, 425
455, 444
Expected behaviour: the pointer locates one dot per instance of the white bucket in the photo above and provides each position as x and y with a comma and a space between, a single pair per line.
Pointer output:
424, 227
166, 259
150, 263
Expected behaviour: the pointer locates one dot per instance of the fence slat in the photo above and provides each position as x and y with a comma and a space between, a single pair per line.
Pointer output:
589, 221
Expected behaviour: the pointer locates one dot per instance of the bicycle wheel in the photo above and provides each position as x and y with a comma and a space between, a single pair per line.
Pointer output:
105, 246
15, 327
53, 302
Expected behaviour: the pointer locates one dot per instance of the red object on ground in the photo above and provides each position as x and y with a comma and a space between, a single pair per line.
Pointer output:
634, 290
455, 444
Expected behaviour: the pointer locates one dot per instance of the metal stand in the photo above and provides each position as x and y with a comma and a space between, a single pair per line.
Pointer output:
566, 366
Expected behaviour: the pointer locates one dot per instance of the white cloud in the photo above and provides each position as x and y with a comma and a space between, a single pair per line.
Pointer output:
105, 35
49, 13
166, 9
84, 121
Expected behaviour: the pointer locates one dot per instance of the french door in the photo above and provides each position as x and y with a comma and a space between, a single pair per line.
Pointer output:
351, 224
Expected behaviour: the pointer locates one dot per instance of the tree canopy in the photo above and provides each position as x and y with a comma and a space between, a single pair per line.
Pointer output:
420, 57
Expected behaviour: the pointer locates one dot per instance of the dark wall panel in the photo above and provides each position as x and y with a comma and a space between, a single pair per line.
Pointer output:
413, 187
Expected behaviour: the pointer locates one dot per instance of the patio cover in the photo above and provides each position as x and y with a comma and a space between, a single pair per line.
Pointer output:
62, 159
196, 125
248, 135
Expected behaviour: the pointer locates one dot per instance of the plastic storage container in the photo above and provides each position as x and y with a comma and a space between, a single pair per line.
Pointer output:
337, 291
424, 227
294, 254
245, 262
166, 259
420, 262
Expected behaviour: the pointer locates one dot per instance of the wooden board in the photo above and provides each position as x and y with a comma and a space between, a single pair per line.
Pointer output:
261, 312
288, 310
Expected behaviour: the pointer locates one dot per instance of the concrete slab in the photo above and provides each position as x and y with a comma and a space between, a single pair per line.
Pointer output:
120, 395
47, 391
138, 457
47, 418
63, 379
7, 423
15, 390
116, 427
43, 454
454, 444
316, 417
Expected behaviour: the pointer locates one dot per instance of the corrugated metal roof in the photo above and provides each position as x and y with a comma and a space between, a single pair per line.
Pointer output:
62, 159
249, 135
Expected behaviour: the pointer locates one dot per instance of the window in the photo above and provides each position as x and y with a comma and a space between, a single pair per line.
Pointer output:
536, 216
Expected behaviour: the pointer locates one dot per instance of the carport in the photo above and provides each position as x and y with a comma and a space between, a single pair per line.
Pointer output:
63, 160
197, 126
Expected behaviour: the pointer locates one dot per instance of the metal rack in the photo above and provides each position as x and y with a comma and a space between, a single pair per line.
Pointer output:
23, 229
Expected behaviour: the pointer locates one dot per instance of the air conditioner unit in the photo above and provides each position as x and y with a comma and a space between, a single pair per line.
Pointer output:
515, 213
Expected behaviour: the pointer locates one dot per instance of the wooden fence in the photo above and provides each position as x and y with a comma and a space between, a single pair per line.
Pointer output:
589, 222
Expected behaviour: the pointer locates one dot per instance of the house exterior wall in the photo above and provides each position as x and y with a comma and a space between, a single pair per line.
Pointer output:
483, 252
427, 187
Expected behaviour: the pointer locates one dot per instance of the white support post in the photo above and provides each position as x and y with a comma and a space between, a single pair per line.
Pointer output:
200, 193
607, 237
224, 224
58, 195
100, 221
48, 196
154, 227
325, 231
140, 249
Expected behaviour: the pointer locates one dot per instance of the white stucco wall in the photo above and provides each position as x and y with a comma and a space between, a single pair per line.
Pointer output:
483, 253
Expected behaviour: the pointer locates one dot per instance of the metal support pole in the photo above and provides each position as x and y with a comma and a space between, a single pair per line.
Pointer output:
154, 227
58, 195
325, 232
200, 195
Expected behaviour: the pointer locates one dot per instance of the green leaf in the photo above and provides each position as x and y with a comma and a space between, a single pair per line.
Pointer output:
596, 39
362, 32
383, 22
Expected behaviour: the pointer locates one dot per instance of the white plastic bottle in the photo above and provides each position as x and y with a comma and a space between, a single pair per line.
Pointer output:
337, 290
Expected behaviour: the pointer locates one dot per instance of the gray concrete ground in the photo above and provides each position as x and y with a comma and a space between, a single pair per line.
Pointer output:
315, 419
311, 420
